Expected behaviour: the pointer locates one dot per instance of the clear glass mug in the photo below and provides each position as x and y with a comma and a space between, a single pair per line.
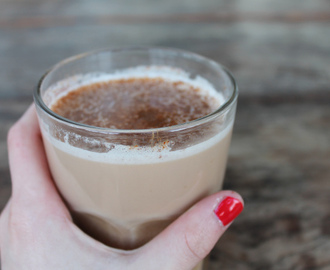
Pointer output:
123, 187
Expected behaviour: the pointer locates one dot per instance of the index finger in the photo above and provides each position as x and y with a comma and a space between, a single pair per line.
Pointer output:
31, 178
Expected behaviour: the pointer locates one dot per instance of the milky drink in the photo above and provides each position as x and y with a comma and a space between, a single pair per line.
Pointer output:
125, 186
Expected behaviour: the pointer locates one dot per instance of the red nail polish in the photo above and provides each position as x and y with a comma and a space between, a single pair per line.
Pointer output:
228, 210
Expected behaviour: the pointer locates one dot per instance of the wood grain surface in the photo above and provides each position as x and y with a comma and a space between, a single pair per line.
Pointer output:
279, 52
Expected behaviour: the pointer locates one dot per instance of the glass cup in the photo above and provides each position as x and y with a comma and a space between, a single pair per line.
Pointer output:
122, 186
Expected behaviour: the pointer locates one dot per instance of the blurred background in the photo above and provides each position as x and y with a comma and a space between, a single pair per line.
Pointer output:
279, 52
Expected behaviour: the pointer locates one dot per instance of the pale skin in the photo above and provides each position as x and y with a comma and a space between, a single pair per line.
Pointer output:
36, 230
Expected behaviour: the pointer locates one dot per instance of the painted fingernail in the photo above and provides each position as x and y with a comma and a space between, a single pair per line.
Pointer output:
228, 210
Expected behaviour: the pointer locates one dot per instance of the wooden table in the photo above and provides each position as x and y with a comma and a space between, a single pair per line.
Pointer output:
279, 52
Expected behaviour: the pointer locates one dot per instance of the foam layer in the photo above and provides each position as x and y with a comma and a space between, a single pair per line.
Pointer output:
171, 74
118, 154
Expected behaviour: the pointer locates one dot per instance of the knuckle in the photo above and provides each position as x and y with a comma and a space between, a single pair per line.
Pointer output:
20, 224
197, 244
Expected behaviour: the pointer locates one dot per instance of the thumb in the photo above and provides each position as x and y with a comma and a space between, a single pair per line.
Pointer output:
191, 237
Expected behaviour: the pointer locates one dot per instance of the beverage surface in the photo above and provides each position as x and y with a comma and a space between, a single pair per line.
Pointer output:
135, 103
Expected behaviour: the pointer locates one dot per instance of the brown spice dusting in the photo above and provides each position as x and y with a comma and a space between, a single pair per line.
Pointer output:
135, 103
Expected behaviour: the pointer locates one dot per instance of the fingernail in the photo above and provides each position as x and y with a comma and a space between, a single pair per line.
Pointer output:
228, 210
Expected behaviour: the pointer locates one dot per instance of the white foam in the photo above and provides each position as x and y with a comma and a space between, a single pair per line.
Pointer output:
121, 154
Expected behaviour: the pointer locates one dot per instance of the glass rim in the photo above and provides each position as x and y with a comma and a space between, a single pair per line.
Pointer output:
220, 110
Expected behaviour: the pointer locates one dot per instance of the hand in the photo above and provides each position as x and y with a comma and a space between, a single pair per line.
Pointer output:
36, 230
